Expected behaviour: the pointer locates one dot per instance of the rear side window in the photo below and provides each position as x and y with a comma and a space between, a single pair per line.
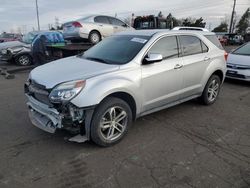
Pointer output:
166, 46
204, 47
214, 40
190, 45
115, 21
101, 19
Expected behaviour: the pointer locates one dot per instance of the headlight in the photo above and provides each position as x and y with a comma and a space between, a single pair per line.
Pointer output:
4, 51
66, 91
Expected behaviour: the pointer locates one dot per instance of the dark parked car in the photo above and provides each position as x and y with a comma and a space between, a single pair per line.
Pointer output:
20, 51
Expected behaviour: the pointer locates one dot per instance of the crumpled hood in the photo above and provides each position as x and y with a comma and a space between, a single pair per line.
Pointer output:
239, 59
11, 44
68, 69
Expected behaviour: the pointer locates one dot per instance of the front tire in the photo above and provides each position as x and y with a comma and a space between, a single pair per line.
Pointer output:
23, 60
110, 122
211, 91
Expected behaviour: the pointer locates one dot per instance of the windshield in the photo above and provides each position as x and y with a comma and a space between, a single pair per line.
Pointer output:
243, 50
116, 49
28, 38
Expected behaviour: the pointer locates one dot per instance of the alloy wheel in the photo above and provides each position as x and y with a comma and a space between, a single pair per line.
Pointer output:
24, 60
95, 38
113, 123
213, 90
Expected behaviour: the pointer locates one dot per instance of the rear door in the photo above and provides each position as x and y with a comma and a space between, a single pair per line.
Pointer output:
195, 62
104, 26
162, 81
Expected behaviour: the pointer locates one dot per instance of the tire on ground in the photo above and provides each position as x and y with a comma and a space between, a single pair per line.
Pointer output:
23, 60
96, 135
205, 98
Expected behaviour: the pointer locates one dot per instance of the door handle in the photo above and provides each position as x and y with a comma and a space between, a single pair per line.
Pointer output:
206, 58
115, 27
178, 66
100, 25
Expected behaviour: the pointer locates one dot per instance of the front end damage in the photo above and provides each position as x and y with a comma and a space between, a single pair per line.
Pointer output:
50, 117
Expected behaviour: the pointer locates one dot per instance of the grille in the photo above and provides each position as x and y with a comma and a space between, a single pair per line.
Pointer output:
240, 67
236, 75
39, 92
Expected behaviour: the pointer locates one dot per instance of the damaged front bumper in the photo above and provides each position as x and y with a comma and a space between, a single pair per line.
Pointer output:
42, 116
67, 117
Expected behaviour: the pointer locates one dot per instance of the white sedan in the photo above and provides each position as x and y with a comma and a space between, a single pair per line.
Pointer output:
93, 28
238, 63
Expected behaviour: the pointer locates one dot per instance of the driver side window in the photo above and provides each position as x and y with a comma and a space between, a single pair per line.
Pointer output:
167, 47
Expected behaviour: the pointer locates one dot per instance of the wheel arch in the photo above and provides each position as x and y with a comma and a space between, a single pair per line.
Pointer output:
16, 56
219, 73
23, 53
95, 30
129, 99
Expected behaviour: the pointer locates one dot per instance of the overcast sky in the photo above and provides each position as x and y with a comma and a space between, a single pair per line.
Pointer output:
22, 13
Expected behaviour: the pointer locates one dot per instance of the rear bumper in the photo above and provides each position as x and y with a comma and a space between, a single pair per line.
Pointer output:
70, 35
78, 35
42, 116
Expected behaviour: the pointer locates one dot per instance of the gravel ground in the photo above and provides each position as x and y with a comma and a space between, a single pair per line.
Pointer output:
188, 145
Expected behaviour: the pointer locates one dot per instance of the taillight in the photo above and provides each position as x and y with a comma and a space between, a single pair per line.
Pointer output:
76, 24
225, 56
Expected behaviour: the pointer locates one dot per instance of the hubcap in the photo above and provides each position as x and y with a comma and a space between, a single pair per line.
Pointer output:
213, 90
95, 38
113, 123
24, 60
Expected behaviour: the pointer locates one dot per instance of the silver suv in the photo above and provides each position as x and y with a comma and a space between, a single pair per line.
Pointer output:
97, 95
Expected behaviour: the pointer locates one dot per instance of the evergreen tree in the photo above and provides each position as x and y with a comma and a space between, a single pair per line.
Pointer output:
244, 22
223, 27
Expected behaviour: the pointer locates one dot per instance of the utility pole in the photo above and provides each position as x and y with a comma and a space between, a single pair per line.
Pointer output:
232, 18
37, 16
56, 23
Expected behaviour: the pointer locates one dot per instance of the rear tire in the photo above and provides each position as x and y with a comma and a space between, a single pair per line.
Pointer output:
211, 91
23, 60
94, 37
110, 122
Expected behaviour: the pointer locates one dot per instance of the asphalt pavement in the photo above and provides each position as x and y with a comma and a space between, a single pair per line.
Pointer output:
189, 145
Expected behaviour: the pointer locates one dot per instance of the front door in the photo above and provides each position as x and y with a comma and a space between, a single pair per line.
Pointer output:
162, 81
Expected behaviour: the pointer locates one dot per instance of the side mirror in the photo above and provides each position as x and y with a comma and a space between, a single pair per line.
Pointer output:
152, 58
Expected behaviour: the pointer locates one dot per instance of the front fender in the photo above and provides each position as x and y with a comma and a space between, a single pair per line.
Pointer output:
22, 52
98, 88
